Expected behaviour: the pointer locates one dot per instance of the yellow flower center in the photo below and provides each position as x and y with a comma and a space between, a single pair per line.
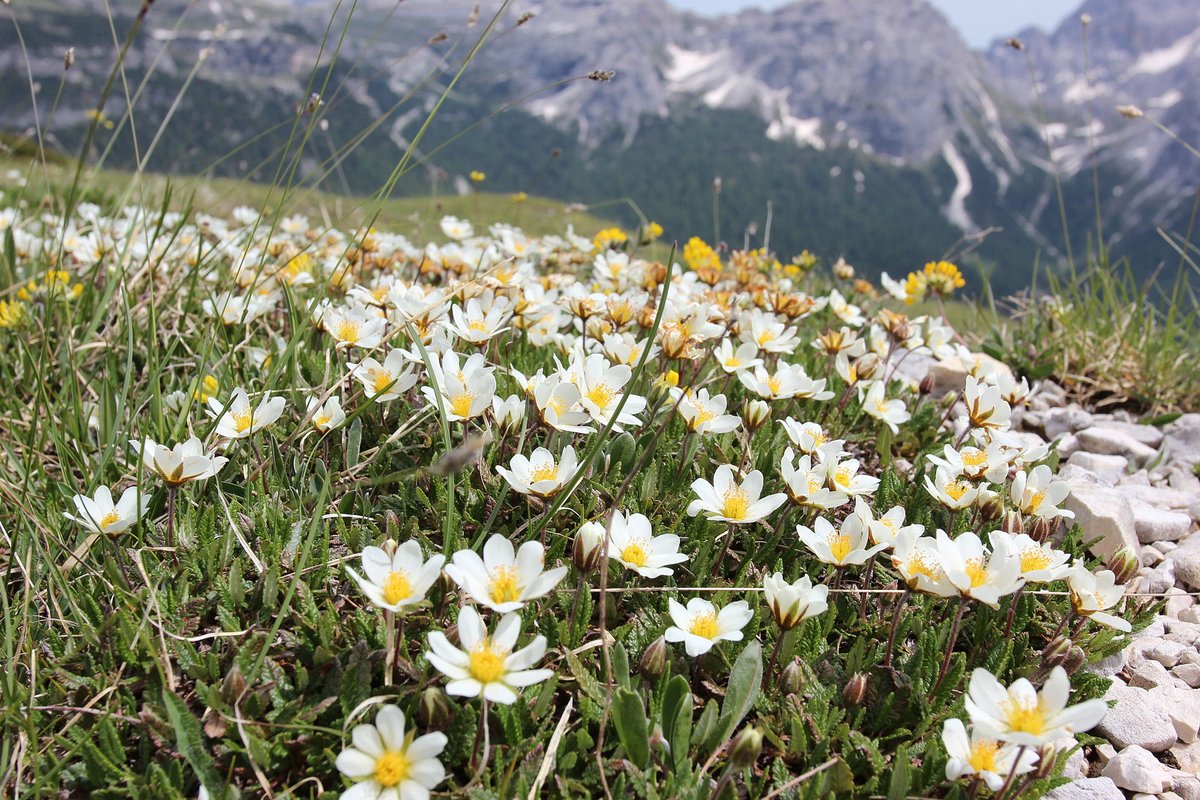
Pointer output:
840, 546
983, 755
486, 665
504, 587
634, 554
956, 489
601, 395
242, 420
478, 325
321, 420
736, 503
917, 565
773, 384
1034, 558
765, 337
547, 473
703, 415
974, 457
734, 362
396, 588
705, 625
460, 404
391, 768
814, 486
347, 331
110, 519
842, 477
1035, 502
977, 571
381, 380
1026, 719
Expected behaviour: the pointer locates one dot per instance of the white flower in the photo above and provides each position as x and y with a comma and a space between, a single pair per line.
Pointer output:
706, 415
976, 573
916, 558
985, 407
990, 463
328, 415
1039, 561
981, 755
890, 412
841, 547
600, 385
487, 665
700, 625
400, 580
844, 477
1092, 594
633, 544
559, 407
809, 437
509, 413
100, 515
847, 312
384, 381
888, 526
1037, 494
768, 333
180, 464
504, 580
792, 603
477, 325
1022, 715
387, 764
724, 500
806, 483
951, 490
238, 420
467, 387
788, 381
745, 356
539, 474
354, 327
456, 228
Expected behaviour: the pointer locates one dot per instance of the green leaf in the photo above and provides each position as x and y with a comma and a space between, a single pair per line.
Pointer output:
190, 741
745, 681
1160, 420
901, 776
707, 722
629, 717
620, 664
353, 443
677, 719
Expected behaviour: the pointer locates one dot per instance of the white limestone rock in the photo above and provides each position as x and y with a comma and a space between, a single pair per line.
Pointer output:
1105, 514
1137, 770
1133, 720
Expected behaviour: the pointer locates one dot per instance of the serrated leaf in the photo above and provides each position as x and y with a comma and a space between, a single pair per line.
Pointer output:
189, 740
901, 776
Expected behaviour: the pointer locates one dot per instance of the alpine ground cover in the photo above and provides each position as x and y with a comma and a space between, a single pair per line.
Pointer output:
294, 510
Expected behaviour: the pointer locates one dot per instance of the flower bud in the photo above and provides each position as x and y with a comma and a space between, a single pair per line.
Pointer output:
792, 678
1075, 659
1056, 652
843, 270
746, 748
1124, 564
756, 414
869, 367
623, 450
653, 662
1041, 528
949, 399
1047, 755
587, 548
855, 690
233, 686
926, 385
992, 508
69, 58
1012, 522
434, 711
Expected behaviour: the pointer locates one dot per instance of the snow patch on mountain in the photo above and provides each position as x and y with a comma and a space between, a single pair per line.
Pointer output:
956, 209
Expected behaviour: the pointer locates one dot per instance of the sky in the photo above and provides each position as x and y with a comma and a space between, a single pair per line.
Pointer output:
979, 20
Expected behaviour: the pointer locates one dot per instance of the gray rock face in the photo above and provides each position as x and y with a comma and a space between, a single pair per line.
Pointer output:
1146, 434
1114, 443
1187, 562
1106, 467
1137, 770
1156, 524
1133, 720
1106, 514
1059, 421
1087, 789
1183, 709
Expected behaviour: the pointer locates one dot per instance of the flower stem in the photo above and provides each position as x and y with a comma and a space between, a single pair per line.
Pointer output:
1012, 611
171, 490
389, 635
1012, 774
958, 615
900, 604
